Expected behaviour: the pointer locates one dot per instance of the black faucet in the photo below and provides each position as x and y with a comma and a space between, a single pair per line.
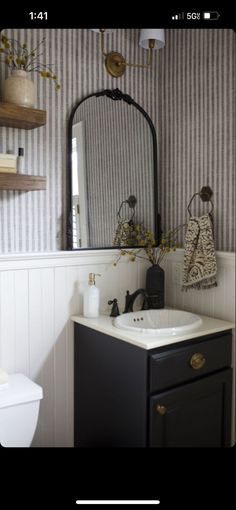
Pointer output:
130, 298
115, 309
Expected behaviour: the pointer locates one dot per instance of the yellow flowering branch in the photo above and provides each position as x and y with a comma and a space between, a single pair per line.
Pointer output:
153, 253
17, 56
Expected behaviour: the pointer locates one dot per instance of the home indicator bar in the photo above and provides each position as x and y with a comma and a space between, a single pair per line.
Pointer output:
117, 502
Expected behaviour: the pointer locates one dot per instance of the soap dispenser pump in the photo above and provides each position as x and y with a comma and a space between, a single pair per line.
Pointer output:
91, 297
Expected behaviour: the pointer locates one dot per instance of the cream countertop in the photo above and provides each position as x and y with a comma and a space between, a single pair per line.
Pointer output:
104, 324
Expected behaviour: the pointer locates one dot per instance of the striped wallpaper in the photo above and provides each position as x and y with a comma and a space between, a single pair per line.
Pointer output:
35, 221
119, 163
189, 94
196, 119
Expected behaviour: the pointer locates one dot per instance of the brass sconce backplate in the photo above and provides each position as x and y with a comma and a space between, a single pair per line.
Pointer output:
115, 64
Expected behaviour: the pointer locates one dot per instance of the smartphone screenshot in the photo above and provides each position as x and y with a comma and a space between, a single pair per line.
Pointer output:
117, 256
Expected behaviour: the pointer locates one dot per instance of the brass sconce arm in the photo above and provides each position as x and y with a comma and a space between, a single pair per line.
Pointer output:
151, 46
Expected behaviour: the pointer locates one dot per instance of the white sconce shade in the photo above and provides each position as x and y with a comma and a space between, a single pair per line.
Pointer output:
156, 34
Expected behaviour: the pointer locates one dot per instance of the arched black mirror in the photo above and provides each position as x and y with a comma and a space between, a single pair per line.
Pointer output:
112, 170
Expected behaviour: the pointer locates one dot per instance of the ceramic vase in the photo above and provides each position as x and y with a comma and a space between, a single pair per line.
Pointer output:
155, 286
19, 89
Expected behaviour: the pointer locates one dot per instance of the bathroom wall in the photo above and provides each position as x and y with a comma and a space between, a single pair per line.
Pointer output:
38, 295
196, 119
194, 77
35, 221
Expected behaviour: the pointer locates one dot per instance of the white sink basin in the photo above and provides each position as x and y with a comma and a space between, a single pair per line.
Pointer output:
159, 322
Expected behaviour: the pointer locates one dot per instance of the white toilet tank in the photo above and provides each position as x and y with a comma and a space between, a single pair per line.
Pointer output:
19, 410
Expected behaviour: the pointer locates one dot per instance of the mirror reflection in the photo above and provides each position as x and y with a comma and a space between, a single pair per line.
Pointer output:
112, 172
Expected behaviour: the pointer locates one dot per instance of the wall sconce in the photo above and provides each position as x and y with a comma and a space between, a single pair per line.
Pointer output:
150, 39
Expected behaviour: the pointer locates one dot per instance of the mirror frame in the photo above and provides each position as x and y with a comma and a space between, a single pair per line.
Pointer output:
115, 95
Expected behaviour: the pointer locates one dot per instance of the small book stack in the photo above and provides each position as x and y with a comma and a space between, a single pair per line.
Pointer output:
8, 163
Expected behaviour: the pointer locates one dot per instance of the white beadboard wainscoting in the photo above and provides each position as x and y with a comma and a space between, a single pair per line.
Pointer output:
218, 302
38, 294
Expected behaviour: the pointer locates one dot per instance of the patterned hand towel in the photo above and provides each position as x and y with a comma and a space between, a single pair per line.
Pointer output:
199, 257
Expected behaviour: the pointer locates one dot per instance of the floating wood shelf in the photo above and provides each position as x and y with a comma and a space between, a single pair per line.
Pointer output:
22, 182
21, 117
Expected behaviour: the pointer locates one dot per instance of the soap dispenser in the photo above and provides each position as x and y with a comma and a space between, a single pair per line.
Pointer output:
91, 298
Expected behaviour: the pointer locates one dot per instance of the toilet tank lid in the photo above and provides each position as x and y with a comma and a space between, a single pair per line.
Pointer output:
19, 391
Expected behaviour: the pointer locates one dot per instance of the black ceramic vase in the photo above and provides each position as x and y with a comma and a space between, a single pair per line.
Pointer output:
155, 286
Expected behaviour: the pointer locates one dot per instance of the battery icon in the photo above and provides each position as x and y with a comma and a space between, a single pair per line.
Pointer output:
211, 15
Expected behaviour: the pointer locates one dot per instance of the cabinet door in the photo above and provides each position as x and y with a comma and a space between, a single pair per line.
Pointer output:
195, 415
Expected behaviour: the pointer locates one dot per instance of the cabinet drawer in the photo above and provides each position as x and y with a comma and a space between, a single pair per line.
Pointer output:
187, 363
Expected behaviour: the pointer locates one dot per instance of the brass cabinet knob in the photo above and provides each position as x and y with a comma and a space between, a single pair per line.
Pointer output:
161, 409
197, 361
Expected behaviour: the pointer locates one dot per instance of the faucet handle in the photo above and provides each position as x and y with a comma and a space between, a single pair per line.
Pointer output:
127, 301
145, 303
115, 310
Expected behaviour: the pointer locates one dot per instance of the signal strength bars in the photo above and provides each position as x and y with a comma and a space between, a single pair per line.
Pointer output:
178, 16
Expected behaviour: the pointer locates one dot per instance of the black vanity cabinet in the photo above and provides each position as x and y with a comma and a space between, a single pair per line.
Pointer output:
172, 396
